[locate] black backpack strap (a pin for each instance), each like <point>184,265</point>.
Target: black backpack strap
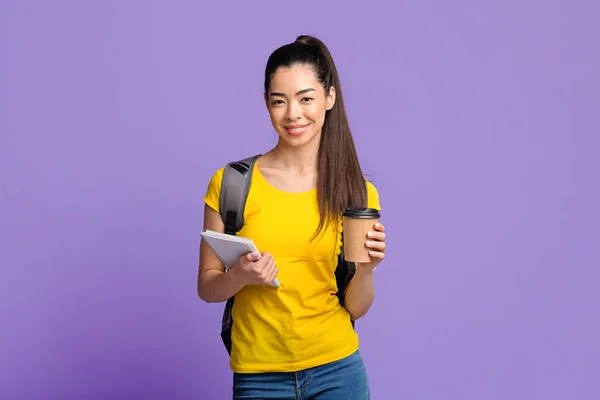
<point>235,186</point>
<point>237,177</point>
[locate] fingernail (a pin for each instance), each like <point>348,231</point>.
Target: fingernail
<point>370,234</point>
<point>368,243</point>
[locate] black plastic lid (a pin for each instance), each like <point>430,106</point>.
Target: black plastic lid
<point>366,213</point>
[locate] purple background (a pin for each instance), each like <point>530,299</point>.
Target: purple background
<point>477,120</point>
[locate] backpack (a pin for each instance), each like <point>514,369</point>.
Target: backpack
<point>237,177</point>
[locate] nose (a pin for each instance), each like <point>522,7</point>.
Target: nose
<point>293,112</point>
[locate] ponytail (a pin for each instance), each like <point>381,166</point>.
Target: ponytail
<point>340,181</point>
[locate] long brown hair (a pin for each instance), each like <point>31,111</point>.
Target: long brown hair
<point>340,181</point>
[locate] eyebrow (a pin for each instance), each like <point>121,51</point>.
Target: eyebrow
<point>297,94</point>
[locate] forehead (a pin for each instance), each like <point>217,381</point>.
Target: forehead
<point>293,79</point>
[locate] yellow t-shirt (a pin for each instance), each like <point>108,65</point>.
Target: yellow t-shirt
<point>301,324</point>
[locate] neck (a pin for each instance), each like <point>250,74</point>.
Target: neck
<point>298,159</point>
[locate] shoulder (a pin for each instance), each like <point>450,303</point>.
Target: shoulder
<point>213,192</point>
<point>217,178</point>
<point>372,195</point>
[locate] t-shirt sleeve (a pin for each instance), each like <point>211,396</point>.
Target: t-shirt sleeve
<point>211,198</point>
<point>373,196</point>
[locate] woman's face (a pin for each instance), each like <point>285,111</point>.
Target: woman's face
<point>297,104</point>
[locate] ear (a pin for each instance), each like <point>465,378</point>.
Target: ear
<point>330,98</point>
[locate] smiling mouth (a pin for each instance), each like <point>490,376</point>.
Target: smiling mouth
<point>295,129</point>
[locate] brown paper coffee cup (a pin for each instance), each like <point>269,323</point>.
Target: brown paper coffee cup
<point>357,222</point>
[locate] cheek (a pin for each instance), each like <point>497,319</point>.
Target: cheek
<point>317,114</point>
<point>275,114</point>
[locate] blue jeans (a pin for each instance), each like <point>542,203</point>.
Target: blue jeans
<point>345,379</point>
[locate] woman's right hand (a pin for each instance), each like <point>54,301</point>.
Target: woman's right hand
<point>255,269</point>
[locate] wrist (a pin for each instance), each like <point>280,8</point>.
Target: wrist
<point>235,278</point>
<point>365,269</point>
<point>364,274</point>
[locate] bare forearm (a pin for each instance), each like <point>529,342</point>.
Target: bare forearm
<point>216,286</point>
<point>360,293</point>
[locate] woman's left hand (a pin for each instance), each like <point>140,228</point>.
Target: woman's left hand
<point>376,244</point>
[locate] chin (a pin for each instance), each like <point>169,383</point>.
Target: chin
<point>297,140</point>
<point>294,141</point>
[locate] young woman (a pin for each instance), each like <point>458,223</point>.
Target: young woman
<point>296,341</point>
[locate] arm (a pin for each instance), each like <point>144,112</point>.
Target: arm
<point>214,285</point>
<point>360,292</point>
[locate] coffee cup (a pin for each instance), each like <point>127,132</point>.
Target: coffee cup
<point>357,222</point>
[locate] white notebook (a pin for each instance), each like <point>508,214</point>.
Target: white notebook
<point>229,248</point>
